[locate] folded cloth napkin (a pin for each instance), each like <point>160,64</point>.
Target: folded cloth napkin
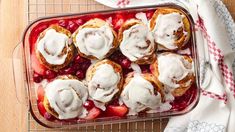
<point>215,36</point>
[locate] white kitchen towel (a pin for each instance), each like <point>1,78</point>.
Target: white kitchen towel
<point>215,36</point>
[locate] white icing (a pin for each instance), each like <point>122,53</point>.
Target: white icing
<point>172,69</point>
<point>103,85</point>
<point>164,29</point>
<point>95,41</point>
<point>52,45</point>
<point>136,68</point>
<point>66,97</point>
<point>138,95</point>
<point>134,44</point>
<point>184,51</point>
<point>142,16</point>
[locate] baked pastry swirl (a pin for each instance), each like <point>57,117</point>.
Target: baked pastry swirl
<point>54,47</point>
<point>141,93</point>
<point>95,39</point>
<point>174,72</point>
<point>137,42</point>
<point>105,80</point>
<point>64,98</point>
<point>171,28</point>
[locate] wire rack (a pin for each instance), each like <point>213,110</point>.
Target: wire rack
<point>41,8</point>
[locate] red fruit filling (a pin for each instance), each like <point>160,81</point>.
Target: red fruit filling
<point>78,59</point>
<point>37,78</point>
<point>35,33</point>
<point>72,26</point>
<point>80,74</point>
<point>93,113</point>
<point>180,103</point>
<point>120,111</point>
<point>145,68</point>
<point>49,74</point>
<point>89,104</point>
<point>63,23</point>
<point>149,14</point>
<point>67,70</point>
<point>126,63</point>
<point>79,22</point>
<point>40,93</point>
<point>41,108</point>
<point>36,65</point>
<point>118,21</point>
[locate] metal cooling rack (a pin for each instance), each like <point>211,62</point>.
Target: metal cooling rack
<point>41,8</point>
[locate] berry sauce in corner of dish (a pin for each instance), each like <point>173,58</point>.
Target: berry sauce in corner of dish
<point>79,65</point>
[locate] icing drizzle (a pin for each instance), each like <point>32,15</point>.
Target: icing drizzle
<point>173,68</point>
<point>66,97</point>
<point>139,95</point>
<point>166,27</point>
<point>137,42</point>
<point>103,85</point>
<point>95,41</point>
<point>52,45</point>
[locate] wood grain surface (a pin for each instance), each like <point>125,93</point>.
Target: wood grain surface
<point>13,20</point>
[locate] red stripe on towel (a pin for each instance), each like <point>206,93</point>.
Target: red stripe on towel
<point>215,96</point>
<point>217,56</point>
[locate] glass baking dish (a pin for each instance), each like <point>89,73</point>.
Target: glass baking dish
<point>25,85</point>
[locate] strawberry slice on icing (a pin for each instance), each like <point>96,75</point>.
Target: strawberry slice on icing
<point>93,113</point>
<point>116,110</point>
<point>40,93</point>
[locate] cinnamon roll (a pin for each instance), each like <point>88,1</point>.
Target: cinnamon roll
<point>105,80</point>
<point>137,42</point>
<point>171,28</point>
<point>141,93</point>
<point>54,47</point>
<point>174,72</point>
<point>95,39</point>
<point>64,98</point>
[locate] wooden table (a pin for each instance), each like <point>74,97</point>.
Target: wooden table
<point>13,20</point>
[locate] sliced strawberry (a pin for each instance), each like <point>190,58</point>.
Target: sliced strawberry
<point>36,65</point>
<point>41,108</point>
<point>116,110</point>
<point>93,113</point>
<point>40,93</point>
